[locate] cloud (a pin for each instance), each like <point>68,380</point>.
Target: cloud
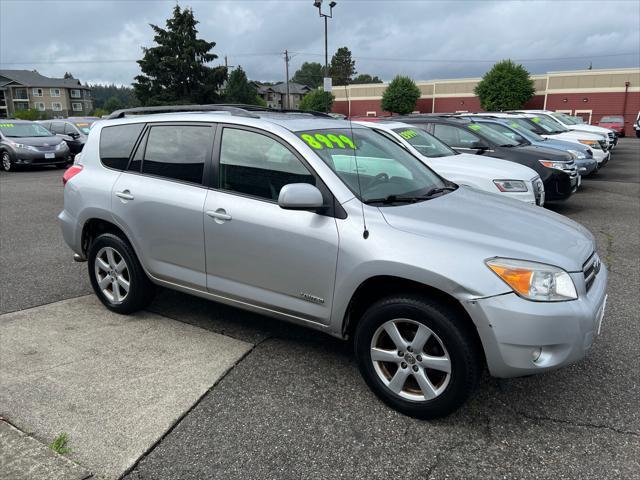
<point>99,41</point>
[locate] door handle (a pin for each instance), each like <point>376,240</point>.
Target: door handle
<point>125,195</point>
<point>220,215</point>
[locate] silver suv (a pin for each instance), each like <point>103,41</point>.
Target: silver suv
<point>333,226</point>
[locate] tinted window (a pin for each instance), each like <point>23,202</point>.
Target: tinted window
<point>57,127</point>
<point>447,134</point>
<point>68,128</point>
<point>178,152</point>
<point>116,144</point>
<point>257,165</point>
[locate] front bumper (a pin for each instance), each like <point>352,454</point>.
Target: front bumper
<point>586,166</point>
<point>30,157</point>
<point>559,185</point>
<point>513,329</point>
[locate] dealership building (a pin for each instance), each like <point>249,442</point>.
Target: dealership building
<point>590,94</point>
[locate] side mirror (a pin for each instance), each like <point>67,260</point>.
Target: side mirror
<point>300,196</point>
<point>480,146</point>
<point>74,135</point>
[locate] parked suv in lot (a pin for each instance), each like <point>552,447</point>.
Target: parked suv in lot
<point>24,143</point>
<point>330,225</point>
<point>72,130</point>
<point>556,169</point>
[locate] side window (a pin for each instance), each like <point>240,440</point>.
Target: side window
<point>178,152</point>
<point>467,139</point>
<point>69,129</point>
<point>447,134</point>
<point>254,164</point>
<point>116,144</point>
<point>57,127</point>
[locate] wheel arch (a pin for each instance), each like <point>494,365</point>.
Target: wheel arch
<point>95,226</point>
<point>374,288</point>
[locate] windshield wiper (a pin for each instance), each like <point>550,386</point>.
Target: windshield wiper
<point>389,199</point>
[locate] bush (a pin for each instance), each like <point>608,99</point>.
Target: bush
<point>318,100</point>
<point>31,114</point>
<point>507,86</point>
<point>400,96</point>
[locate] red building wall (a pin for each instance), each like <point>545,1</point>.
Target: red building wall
<point>600,104</point>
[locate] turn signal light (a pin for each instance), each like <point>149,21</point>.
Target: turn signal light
<point>517,278</point>
<point>71,172</point>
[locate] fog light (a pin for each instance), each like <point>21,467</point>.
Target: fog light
<point>535,353</point>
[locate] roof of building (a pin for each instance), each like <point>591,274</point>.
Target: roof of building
<point>31,78</point>
<point>281,88</point>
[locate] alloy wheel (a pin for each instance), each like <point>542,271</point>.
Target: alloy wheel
<point>112,275</point>
<point>410,359</point>
<point>6,161</point>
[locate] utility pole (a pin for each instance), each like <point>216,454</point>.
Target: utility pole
<point>327,78</point>
<point>286,68</point>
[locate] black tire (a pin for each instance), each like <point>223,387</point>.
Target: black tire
<point>6,162</point>
<point>638,133</point>
<point>452,331</point>
<point>141,289</point>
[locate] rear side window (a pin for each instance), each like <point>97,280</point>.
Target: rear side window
<point>116,144</point>
<point>178,152</point>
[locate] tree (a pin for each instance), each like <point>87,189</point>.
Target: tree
<point>102,93</point>
<point>239,89</point>
<point>175,70</point>
<point>30,114</point>
<point>342,67</point>
<point>99,112</point>
<point>400,96</point>
<point>68,75</point>
<point>507,86</point>
<point>309,74</point>
<point>113,104</point>
<point>318,100</point>
<point>366,78</point>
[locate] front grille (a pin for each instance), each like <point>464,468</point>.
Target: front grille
<point>48,148</point>
<point>538,190</point>
<point>603,144</point>
<point>591,269</point>
<point>612,135</point>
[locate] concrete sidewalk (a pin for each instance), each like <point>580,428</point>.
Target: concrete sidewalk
<point>115,384</point>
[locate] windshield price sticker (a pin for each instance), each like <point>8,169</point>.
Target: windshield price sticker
<point>475,127</point>
<point>407,134</point>
<point>330,140</point>
<point>535,120</point>
<point>515,125</point>
<point>7,125</point>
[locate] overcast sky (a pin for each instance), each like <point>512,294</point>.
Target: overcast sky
<point>99,40</point>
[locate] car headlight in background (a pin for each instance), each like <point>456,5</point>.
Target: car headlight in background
<point>551,164</point>
<point>61,145</point>
<point>591,143</point>
<point>22,145</point>
<point>510,185</point>
<point>534,281</point>
<point>577,154</point>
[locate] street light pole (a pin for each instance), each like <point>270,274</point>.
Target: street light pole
<point>327,78</point>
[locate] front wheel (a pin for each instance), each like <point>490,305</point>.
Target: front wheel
<point>417,355</point>
<point>6,162</point>
<point>116,275</point>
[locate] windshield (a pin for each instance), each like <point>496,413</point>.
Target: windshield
<point>527,129</point>
<point>507,132</point>
<point>611,120</point>
<point>17,130</point>
<point>493,135</point>
<point>423,142</point>
<point>549,124</point>
<point>373,167</point>
<point>564,118</point>
<point>83,127</point>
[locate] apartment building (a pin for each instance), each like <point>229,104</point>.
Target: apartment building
<point>589,94</point>
<point>55,97</point>
<point>276,95</point>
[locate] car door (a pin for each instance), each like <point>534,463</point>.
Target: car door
<point>159,200</point>
<point>256,252</point>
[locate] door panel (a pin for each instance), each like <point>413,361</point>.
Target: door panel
<point>163,219</point>
<point>267,256</point>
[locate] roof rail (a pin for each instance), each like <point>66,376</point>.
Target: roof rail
<point>259,108</point>
<point>233,110</point>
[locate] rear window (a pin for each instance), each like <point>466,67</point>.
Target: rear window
<point>116,144</point>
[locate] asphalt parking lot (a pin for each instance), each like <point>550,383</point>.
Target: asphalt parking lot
<point>296,407</point>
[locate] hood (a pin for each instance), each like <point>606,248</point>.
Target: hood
<point>479,165</point>
<point>496,227</point>
<point>545,153</point>
<point>37,141</point>
<point>611,125</point>
<point>589,128</point>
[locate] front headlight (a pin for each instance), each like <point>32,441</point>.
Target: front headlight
<point>556,165</point>
<point>61,145</point>
<point>577,154</point>
<point>591,143</point>
<point>510,185</point>
<point>534,281</point>
<point>26,147</point>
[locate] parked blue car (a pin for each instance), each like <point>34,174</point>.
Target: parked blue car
<point>582,154</point>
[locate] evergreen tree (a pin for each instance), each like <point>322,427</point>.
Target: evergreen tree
<point>309,74</point>
<point>175,70</point>
<point>239,89</point>
<point>68,75</point>
<point>366,78</point>
<point>113,104</point>
<point>400,96</point>
<point>507,86</point>
<point>342,67</point>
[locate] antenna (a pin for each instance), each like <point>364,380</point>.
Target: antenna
<point>365,232</point>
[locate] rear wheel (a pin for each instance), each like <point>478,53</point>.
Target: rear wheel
<point>417,355</point>
<point>116,275</point>
<point>6,162</point>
